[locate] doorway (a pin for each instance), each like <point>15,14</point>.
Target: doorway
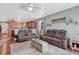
<point>5,30</point>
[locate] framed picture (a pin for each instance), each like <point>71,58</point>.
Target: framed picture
<point>31,24</point>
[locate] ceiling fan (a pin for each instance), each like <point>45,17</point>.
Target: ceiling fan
<point>29,6</point>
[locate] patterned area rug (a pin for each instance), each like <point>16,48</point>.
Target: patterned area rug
<point>25,48</point>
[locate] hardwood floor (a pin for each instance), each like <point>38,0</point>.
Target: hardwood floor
<point>5,48</point>
<point>73,51</point>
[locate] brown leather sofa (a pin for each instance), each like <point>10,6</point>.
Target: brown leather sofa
<point>24,35</point>
<point>56,38</point>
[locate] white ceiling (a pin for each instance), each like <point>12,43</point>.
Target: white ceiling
<point>13,10</point>
<point>51,8</point>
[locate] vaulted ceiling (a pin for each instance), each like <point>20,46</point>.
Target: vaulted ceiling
<point>13,10</point>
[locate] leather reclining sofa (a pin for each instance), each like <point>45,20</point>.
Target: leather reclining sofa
<point>56,38</point>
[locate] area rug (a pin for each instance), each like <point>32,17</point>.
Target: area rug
<point>25,48</point>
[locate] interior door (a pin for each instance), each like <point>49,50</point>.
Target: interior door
<point>5,29</point>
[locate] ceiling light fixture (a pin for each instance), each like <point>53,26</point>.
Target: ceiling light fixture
<point>30,8</point>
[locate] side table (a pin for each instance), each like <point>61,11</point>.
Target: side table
<point>74,45</point>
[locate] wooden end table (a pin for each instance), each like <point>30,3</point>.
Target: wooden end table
<point>74,45</point>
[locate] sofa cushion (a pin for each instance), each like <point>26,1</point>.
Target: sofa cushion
<point>51,33</point>
<point>54,33</point>
<point>51,38</point>
<point>61,34</point>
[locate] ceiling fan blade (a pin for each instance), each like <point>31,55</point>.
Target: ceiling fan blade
<point>26,6</point>
<point>37,7</point>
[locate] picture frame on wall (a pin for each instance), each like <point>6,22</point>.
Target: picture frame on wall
<point>31,24</point>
